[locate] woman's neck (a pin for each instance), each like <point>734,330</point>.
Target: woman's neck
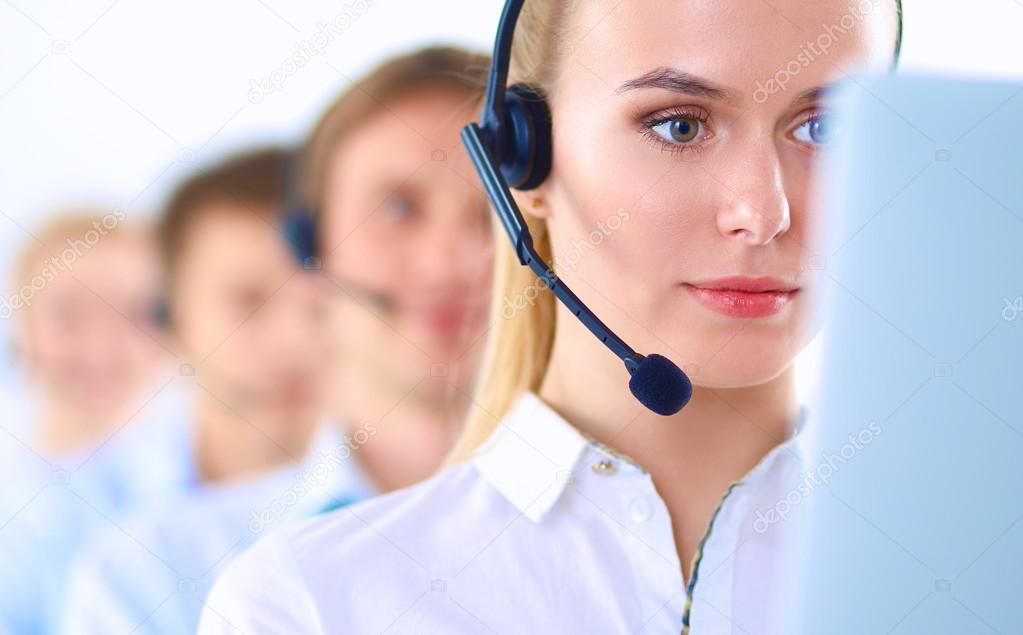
<point>721,431</point>
<point>227,447</point>
<point>413,426</point>
<point>692,456</point>
<point>62,432</point>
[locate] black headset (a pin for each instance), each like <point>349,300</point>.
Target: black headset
<point>299,226</point>
<point>299,229</point>
<point>511,147</point>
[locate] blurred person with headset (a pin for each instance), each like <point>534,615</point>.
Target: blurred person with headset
<point>249,328</point>
<point>92,353</point>
<point>392,286</point>
<point>390,211</point>
<point>674,196</point>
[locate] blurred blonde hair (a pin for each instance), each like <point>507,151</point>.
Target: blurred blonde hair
<point>429,69</point>
<point>518,347</point>
<point>62,230</point>
<point>63,225</point>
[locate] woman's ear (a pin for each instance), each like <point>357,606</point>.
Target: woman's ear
<point>533,202</point>
<point>16,347</point>
<point>20,349</point>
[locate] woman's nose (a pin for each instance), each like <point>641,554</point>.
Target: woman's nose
<point>755,209</point>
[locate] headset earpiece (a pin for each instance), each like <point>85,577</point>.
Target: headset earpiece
<point>511,146</point>
<point>160,313</point>
<point>300,231</point>
<point>526,156</point>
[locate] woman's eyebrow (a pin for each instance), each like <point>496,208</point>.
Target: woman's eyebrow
<point>812,95</point>
<point>680,82</point>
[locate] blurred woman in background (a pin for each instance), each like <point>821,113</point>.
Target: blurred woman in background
<point>82,302</point>
<point>95,364</point>
<point>402,228</point>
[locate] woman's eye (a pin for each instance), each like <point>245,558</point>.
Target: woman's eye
<point>400,207</point>
<point>819,130</point>
<point>679,129</point>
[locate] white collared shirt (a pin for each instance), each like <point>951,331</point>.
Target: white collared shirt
<point>542,532</point>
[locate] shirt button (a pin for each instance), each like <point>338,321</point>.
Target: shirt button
<point>605,467</point>
<point>640,510</point>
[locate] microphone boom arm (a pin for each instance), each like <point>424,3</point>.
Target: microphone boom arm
<point>518,232</point>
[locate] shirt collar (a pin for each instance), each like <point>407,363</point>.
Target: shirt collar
<point>785,460</point>
<point>331,468</point>
<point>531,454</point>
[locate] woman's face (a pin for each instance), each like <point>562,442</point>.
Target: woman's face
<point>87,340</point>
<point>404,216</point>
<point>686,134</point>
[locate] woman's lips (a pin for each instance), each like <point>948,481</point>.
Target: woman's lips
<point>742,297</point>
<point>449,320</point>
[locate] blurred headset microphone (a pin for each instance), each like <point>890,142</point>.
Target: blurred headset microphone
<point>300,231</point>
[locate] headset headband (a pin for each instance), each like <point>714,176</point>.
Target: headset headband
<point>493,107</point>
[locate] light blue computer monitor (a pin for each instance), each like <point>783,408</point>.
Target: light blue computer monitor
<point>918,527</point>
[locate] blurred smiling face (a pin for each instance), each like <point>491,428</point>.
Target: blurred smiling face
<point>88,338</point>
<point>248,319</point>
<point>698,125</point>
<point>404,216</point>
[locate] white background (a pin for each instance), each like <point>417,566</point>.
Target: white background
<point>111,102</point>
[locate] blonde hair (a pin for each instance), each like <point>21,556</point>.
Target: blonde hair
<point>69,228</point>
<point>518,347</point>
<point>426,69</point>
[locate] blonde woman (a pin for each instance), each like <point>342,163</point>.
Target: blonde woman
<point>677,206</point>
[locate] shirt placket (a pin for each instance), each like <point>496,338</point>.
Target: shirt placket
<point>711,594</point>
<point>647,539</point>
<point>708,602</point>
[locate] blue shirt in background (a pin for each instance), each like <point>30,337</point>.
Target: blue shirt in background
<point>49,508</point>
<point>153,574</point>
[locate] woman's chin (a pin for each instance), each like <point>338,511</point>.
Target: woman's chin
<point>738,371</point>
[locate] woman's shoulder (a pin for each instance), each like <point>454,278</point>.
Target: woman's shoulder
<point>391,545</point>
<point>261,591</point>
<point>433,502</point>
